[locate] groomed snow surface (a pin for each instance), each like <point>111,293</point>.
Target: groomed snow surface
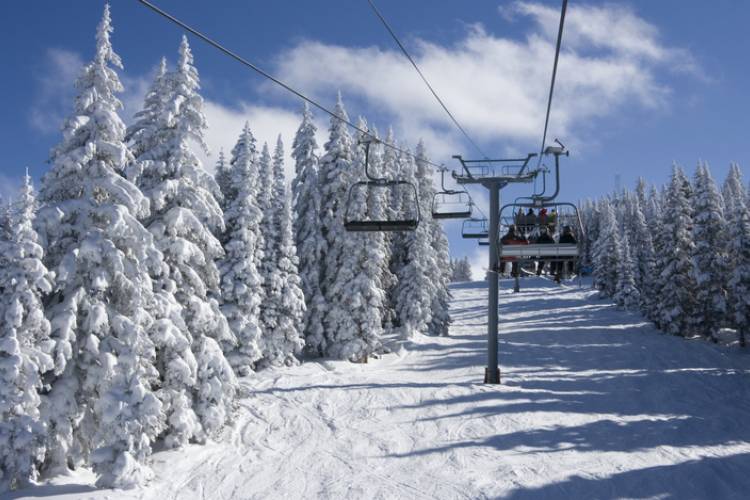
<point>595,403</point>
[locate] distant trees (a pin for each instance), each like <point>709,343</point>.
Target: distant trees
<point>461,269</point>
<point>688,268</point>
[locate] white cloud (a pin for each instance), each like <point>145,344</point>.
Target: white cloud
<point>497,87</point>
<point>55,91</point>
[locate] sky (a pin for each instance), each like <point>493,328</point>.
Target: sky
<point>641,84</point>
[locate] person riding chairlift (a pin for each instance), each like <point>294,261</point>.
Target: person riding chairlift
<point>566,266</point>
<point>512,238</point>
<point>544,238</point>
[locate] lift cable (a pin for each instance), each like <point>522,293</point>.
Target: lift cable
<point>424,78</point>
<point>263,73</point>
<point>552,83</point>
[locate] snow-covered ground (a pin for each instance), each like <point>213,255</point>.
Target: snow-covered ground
<point>594,404</point>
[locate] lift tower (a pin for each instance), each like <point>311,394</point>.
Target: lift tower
<point>494,175</point>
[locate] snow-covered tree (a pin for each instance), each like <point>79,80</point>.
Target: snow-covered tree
<point>739,281</point>
<point>607,251</point>
<point>25,345</point>
<point>307,236</point>
<point>708,256</point>
<point>626,294</point>
<point>461,270</point>
<point>143,134</point>
<point>241,281</point>
<point>185,221</point>
<point>352,320</point>
<point>284,300</point>
<point>103,398</point>
<point>440,272</point>
<point>674,286</point>
<point>733,190</point>
<point>223,176</point>
<point>643,254</point>
<point>415,289</point>
<point>268,230</point>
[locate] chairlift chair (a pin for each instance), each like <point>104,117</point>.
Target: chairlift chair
<point>362,191</point>
<point>450,203</point>
<point>566,214</point>
<point>475,228</point>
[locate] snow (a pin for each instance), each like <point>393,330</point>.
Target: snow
<point>595,403</point>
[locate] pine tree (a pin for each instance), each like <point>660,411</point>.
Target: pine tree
<point>440,272</point>
<point>241,281</point>
<point>734,195</point>
<point>415,290</point>
<point>352,321</point>
<point>709,259</point>
<point>284,300</point>
<point>674,286</point>
<point>461,270</point>
<point>645,261</point>
<point>607,251</point>
<point>739,281</point>
<point>185,221</point>
<point>143,135</point>
<point>223,176</point>
<point>103,398</point>
<point>307,231</point>
<point>270,238</point>
<point>626,294</point>
<point>25,346</point>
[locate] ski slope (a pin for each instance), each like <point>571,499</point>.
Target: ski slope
<point>594,403</point>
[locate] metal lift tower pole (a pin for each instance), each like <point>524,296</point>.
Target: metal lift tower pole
<point>492,372</point>
<point>494,175</point>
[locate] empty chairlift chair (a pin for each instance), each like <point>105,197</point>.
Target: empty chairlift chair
<point>361,214</point>
<point>475,228</point>
<point>450,203</point>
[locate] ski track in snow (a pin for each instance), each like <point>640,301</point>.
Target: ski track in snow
<point>595,403</point>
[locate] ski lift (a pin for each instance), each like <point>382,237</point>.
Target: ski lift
<point>450,203</point>
<point>364,219</point>
<point>475,228</point>
<point>483,242</point>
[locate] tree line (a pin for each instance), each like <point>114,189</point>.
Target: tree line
<point>136,287</point>
<point>679,254</point>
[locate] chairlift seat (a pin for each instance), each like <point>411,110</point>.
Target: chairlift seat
<point>451,215</point>
<point>540,250</point>
<point>381,225</point>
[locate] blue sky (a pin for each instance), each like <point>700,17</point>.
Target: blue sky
<point>641,83</point>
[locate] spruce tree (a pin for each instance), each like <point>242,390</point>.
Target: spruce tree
<point>739,280</point>
<point>103,397</point>
<point>415,290</point>
<point>709,259</point>
<point>352,320</point>
<point>626,294</point>
<point>25,345</point>
<point>440,272</point>
<point>645,261</point>
<point>607,251</point>
<point>284,300</point>
<point>307,231</point>
<point>186,220</point>
<point>674,286</point>
<point>241,281</point>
